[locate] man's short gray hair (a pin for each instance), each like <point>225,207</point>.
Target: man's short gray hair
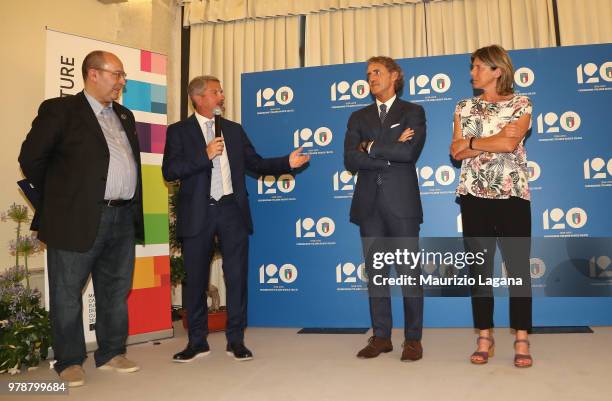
<point>198,84</point>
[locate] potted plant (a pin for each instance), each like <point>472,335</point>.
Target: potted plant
<point>217,314</point>
<point>25,328</point>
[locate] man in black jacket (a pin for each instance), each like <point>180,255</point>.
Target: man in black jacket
<point>82,156</point>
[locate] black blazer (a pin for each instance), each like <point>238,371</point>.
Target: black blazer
<point>65,157</point>
<point>393,160</point>
<point>185,159</point>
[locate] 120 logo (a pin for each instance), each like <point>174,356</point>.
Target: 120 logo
<point>349,273</point>
<point>344,181</point>
<point>271,274</point>
<point>343,90</point>
<point>305,138</point>
<point>444,175</point>
<point>269,184</point>
<point>308,228</point>
<point>422,85</point>
<point>590,73</point>
<point>269,97</point>
<point>550,122</point>
<point>594,168</point>
<point>556,219</point>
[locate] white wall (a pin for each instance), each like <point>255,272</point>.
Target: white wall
<point>148,24</point>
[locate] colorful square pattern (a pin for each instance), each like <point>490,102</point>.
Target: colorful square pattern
<point>152,62</point>
<point>149,302</point>
<point>155,205</point>
<point>152,137</point>
<point>144,96</point>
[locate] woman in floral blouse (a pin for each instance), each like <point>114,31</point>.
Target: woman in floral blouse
<point>488,136</point>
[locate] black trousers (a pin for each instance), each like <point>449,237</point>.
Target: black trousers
<point>507,223</point>
<point>227,223</point>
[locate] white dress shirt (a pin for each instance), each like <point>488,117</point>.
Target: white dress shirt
<point>226,172</point>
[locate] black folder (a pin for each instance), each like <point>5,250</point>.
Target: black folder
<point>30,192</point>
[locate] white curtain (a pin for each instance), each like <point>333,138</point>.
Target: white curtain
<point>585,21</point>
<point>354,35</point>
<point>345,31</point>
<point>462,26</point>
<point>452,26</point>
<point>229,49</point>
<point>199,11</point>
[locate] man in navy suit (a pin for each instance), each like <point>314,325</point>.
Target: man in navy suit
<point>213,200</point>
<point>382,144</point>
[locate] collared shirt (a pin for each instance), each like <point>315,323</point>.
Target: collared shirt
<point>388,103</point>
<point>226,173</point>
<point>121,177</point>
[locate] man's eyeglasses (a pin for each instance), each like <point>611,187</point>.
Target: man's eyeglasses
<point>118,74</point>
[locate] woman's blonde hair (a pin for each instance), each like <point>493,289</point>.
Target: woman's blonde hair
<point>495,57</point>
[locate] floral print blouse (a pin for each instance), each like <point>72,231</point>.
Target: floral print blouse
<point>493,175</point>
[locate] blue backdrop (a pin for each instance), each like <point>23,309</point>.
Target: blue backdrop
<point>306,267</point>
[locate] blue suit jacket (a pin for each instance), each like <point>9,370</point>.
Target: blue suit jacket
<point>393,160</point>
<point>185,159</point>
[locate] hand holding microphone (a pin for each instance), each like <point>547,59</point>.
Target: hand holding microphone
<point>216,146</point>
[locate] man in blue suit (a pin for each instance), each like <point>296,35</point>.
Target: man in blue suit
<point>213,200</point>
<point>382,145</point>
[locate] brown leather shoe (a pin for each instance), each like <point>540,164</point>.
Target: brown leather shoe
<point>413,351</point>
<point>375,346</point>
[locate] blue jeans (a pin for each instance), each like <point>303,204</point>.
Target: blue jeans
<point>110,261</point>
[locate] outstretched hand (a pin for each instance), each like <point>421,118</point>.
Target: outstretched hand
<point>297,159</point>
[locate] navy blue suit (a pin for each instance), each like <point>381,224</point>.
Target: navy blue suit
<point>199,219</point>
<point>387,204</point>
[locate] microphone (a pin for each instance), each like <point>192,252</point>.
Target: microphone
<point>217,113</point>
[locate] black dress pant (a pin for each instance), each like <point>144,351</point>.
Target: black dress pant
<point>507,223</point>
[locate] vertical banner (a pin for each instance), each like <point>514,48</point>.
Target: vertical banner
<point>306,262</point>
<point>145,95</point>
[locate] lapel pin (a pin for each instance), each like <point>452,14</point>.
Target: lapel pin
<point>123,116</point>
